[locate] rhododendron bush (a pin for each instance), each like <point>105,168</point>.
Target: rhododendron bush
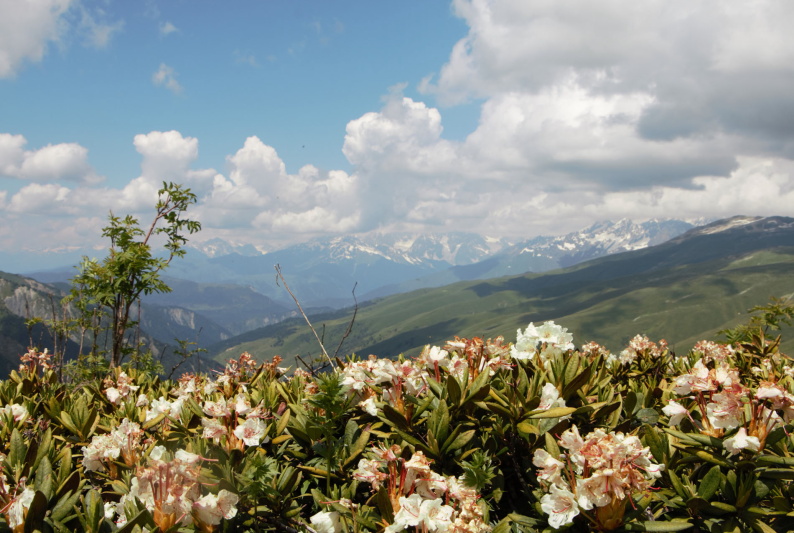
<point>473,436</point>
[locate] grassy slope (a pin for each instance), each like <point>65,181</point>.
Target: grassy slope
<point>608,301</point>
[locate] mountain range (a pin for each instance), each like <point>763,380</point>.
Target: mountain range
<point>685,289</point>
<point>221,290</point>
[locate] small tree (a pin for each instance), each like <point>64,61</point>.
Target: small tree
<point>131,270</point>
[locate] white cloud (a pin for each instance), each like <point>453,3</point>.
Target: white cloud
<point>167,28</point>
<point>96,29</point>
<point>26,29</point>
<point>54,162</point>
<point>166,77</point>
<point>709,66</point>
<point>259,195</point>
<point>38,198</point>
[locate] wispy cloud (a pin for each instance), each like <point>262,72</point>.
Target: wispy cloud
<point>166,28</point>
<point>166,77</point>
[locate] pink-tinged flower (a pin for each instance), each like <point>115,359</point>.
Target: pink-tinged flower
<point>551,469</point>
<point>676,412</point>
<point>725,411</point>
<point>369,406</point>
<point>571,439</point>
<point>210,509</point>
<point>741,441</point>
<point>241,405</point>
<point>18,508</point>
<point>217,409</point>
<point>696,381</point>
<point>251,431</point>
<point>213,429</point>
<point>599,489</point>
<point>369,471</point>
<point>16,411</point>
<point>767,390</point>
<point>713,351</point>
<point>560,504</point>
<point>428,515</point>
<point>326,522</point>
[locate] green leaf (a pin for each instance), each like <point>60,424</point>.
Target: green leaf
<point>453,390</point>
<point>43,481</point>
<point>34,520</point>
<point>657,442</point>
<point>459,441</point>
<point>394,418</point>
<point>710,483</point>
<point>554,412</point>
<point>660,526</point>
<point>282,422</point>
<point>647,416</point>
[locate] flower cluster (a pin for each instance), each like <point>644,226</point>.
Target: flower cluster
<point>639,347</point>
<point>120,389</point>
<point>170,489</point>
<point>599,472</point>
<point>34,360</point>
<point>123,443</point>
<point>420,497</point>
<point>393,378</point>
<point>545,341</point>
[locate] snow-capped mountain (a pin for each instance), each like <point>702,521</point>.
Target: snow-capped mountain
<point>602,238</point>
<point>323,272</point>
<point>544,253</point>
<point>218,247</point>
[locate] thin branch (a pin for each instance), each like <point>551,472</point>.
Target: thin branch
<point>281,277</point>
<point>349,329</point>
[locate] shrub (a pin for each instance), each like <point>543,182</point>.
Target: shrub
<point>477,435</point>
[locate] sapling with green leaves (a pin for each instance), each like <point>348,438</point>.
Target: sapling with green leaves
<point>132,269</point>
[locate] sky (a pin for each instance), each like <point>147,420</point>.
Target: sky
<point>296,119</point>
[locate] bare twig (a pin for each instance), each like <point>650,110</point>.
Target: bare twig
<point>350,325</point>
<point>281,277</point>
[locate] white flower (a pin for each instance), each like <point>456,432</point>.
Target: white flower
<point>416,511</point>
<point>213,429</point>
<point>326,522</point>
<point>210,509</point>
<point>740,442</point>
<point>369,406</point>
<point>158,452</point>
<point>251,431</point>
<point>551,468</point>
<point>113,395</point>
<point>186,457</point>
<point>676,412</point>
<point>560,504</point>
<point>550,397</point>
<point>437,355</point>
<point>18,508</point>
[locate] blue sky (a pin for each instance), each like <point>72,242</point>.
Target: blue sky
<point>297,119</point>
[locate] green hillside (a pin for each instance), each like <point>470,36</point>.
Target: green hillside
<point>684,290</point>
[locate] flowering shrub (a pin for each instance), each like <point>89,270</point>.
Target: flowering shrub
<point>477,435</point>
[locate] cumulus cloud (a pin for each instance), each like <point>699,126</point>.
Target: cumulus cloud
<point>54,162</point>
<point>708,66</point>
<point>26,29</point>
<point>166,77</point>
<point>260,194</point>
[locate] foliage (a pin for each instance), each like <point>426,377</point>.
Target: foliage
<point>109,289</point>
<point>478,435</point>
